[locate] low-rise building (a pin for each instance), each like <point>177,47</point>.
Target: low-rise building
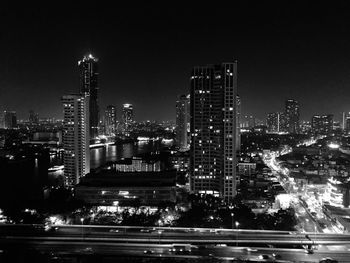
<point>109,187</point>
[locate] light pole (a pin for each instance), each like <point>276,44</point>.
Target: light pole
<point>82,228</point>
<point>232,220</point>
<point>237,224</point>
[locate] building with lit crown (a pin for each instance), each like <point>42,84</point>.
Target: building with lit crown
<point>213,130</point>
<point>76,156</point>
<point>88,73</point>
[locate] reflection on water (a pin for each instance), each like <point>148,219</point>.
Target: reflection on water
<point>100,156</point>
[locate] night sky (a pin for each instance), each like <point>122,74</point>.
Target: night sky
<point>146,53</point>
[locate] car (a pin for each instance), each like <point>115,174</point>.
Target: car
<point>114,230</point>
<point>328,260</point>
<point>248,249</point>
<point>148,251</point>
<point>276,256</point>
<point>309,251</point>
<point>145,230</point>
<point>264,256</point>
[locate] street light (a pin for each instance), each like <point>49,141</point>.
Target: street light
<point>236,224</point>
<point>82,228</point>
<point>232,220</point>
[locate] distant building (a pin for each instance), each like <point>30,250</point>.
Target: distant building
<point>213,130</point>
<point>246,169</point>
<point>136,164</point>
<point>322,124</point>
<point>248,121</point>
<point>76,157</point>
<point>292,115</point>
<point>110,120</point>
<point>273,122</point>
<point>88,72</point>
<point>127,118</point>
<point>108,188</point>
<point>182,120</point>
<point>181,161</point>
<point>33,118</point>
<point>9,120</point>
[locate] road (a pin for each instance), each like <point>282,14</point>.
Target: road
<point>134,241</point>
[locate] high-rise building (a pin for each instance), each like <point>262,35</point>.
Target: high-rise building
<point>238,124</point>
<point>273,122</point>
<point>76,157</point>
<point>343,118</point>
<point>292,115</point>
<point>347,125</point>
<point>88,72</point>
<point>110,120</point>
<point>213,130</point>
<point>9,120</point>
<point>182,115</point>
<point>33,117</point>
<point>127,118</point>
<point>322,124</point>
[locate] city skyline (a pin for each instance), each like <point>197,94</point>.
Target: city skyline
<point>279,58</point>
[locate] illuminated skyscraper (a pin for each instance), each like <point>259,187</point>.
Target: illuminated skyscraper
<point>76,156</point>
<point>273,122</point>
<point>213,130</point>
<point>88,72</point>
<point>322,124</point>
<point>110,120</point>
<point>238,124</point>
<point>127,118</point>
<point>292,115</point>
<point>182,119</point>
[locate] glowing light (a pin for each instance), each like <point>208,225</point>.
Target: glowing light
<point>333,145</point>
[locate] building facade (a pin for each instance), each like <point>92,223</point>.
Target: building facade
<point>110,120</point>
<point>213,130</point>
<point>292,115</point>
<point>88,73</point>
<point>76,156</point>
<point>9,120</point>
<point>322,124</point>
<point>273,122</point>
<point>127,118</point>
<point>182,119</point>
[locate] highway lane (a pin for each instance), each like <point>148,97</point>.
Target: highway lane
<point>156,250</point>
<point>165,234</point>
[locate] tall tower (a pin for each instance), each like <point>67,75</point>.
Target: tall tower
<point>238,124</point>
<point>292,115</point>
<point>213,130</point>
<point>127,118</point>
<point>182,115</point>
<point>110,120</point>
<point>88,73</point>
<point>76,156</point>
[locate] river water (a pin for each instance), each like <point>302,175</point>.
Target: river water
<point>99,156</point>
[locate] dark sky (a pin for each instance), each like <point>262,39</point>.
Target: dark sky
<point>146,53</point>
